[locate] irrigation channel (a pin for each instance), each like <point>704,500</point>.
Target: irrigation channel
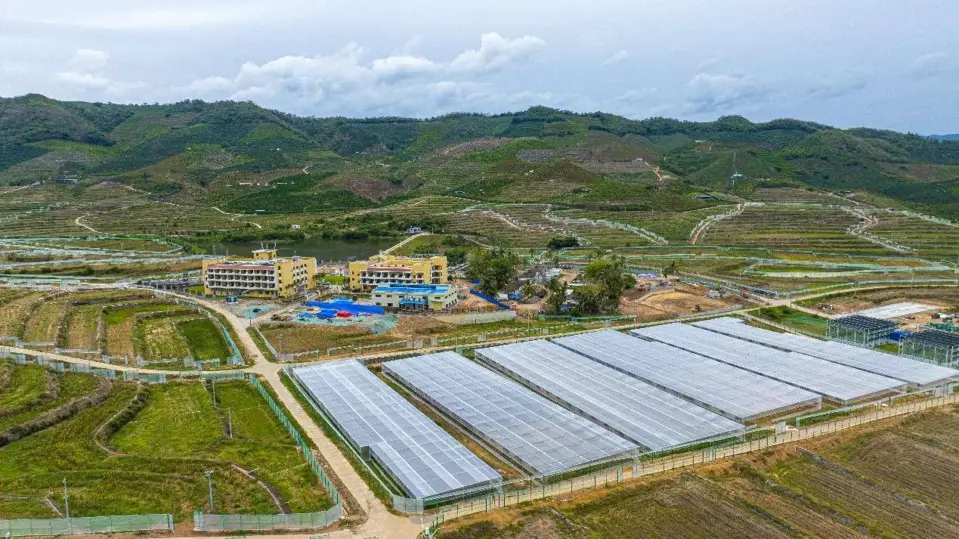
<point>385,523</point>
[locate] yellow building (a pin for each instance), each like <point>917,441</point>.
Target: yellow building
<point>264,276</point>
<point>388,269</point>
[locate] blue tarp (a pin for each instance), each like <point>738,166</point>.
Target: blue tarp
<point>345,305</point>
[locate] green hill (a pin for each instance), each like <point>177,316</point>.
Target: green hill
<point>244,158</point>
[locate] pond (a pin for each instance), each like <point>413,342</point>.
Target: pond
<point>325,250</point>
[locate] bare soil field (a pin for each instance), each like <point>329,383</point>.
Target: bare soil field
<point>946,298</point>
<point>82,324</point>
<point>661,304</point>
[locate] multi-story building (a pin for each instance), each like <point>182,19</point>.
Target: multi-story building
<point>433,297</point>
<point>388,269</point>
<point>264,276</point>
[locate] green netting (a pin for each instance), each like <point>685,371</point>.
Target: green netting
<point>85,525</point>
<point>292,521</point>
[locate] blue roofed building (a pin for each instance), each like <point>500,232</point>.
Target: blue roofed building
<point>413,297</point>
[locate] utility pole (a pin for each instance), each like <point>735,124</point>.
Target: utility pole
<point>213,379</point>
<point>209,480</point>
<point>229,412</point>
<point>66,498</point>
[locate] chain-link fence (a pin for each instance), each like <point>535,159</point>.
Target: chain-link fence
<point>85,525</point>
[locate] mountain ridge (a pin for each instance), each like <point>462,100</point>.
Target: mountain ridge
<point>209,150</point>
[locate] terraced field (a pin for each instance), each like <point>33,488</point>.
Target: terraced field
<point>15,311</point>
<point>795,195</point>
<point>46,320</point>
<point>929,239</point>
<point>675,227</point>
<point>133,465</point>
<point>792,227</point>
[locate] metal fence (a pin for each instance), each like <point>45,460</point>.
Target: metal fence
<point>292,521</point>
<point>85,525</point>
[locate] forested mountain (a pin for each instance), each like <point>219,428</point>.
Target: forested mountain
<point>245,157</point>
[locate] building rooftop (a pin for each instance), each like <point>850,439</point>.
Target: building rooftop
<point>413,289</point>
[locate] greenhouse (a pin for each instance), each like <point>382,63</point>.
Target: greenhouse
<point>536,434</point>
<point>733,392</point>
<point>838,383</point>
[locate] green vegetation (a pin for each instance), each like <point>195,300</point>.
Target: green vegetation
<point>791,317</point>
<point>494,269</point>
<point>205,339</point>
<point>146,450</point>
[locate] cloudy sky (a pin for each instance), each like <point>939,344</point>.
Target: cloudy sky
<point>881,63</point>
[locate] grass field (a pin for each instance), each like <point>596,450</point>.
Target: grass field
<point>894,480</point>
<point>204,339</point>
<point>158,458</point>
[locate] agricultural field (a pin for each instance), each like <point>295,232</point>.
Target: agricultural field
<point>15,310</point>
<point>792,227</point>
<point>928,239</point>
<point>887,480</point>
<point>129,463</point>
<point>288,338</point>
<point>673,226</point>
<point>45,321</point>
<point>794,195</point>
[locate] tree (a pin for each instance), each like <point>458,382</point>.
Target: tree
<point>671,269</point>
<point>528,290</point>
<point>562,242</point>
<point>494,268</point>
<point>557,295</point>
<point>606,280</point>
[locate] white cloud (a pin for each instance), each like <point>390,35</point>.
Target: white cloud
<point>616,58</point>
<point>89,60</point>
<point>86,74</point>
<point>709,93</point>
<point>636,95</point>
<point>348,79</point>
<point>496,52</point>
<point>400,67</point>
<point>934,64</point>
<point>834,89</point>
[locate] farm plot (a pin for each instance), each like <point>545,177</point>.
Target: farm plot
<point>793,195</point>
<point>929,239</point>
<point>791,227</point>
<point>120,326</point>
<point>35,391</point>
<point>138,467</point>
<point>204,339</point>
<point>881,510</point>
<point>674,226</point>
<point>540,217</point>
<point>83,324</point>
<point>163,218</point>
<point>158,338</point>
<point>901,464</point>
<point>496,228</point>
<point>13,313</point>
<point>895,480</point>
<point>44,323</point>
